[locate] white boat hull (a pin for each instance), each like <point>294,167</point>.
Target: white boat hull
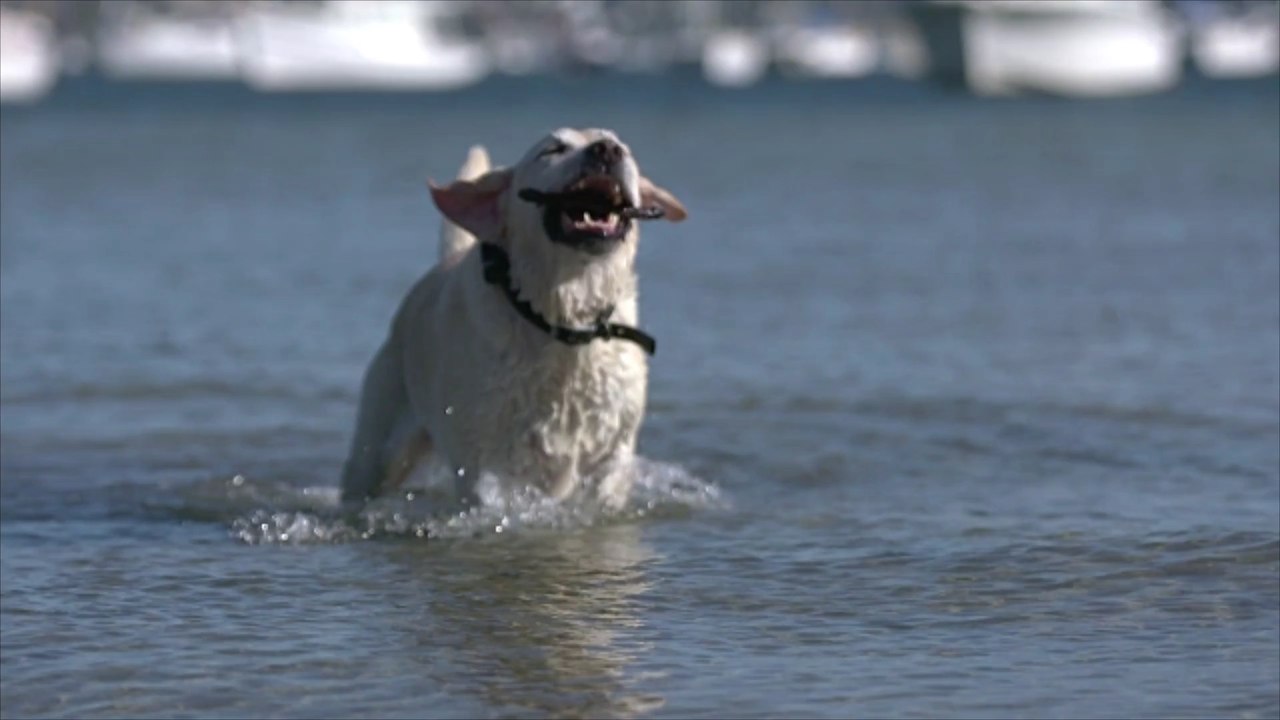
<point>1078,49</point>
<point>288,51</point>
<point>29,65</point>
<point>143,48</point>
<point>1237,47</point>
<point>734,59</point>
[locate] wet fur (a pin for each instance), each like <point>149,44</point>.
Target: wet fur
<point>464,383</point>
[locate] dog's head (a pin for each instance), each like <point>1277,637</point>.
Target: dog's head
<point>580,189</point>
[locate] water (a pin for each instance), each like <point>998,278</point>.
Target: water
<point>961,408</point>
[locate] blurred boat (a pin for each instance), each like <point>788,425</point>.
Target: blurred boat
<point>835,51</point>
<point>736,48</point>
<point>826,39</point>
<point>735,58</point>
<point>355,45</point>
<point>190,42</point>
<point>1073,48</point>
<point>29,64</point>
<point>1234,41</point>
<point>529,38</point>
<point>645,36</point>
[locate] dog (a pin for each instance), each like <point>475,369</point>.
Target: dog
<point>517,355</point>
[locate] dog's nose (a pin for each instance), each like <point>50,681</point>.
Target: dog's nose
<point>605,151</point>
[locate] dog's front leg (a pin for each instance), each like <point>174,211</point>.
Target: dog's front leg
<point>613,483</point>
<point>562,480</point>
<point>382,400</point>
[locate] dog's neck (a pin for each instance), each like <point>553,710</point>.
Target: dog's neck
<point>570,288</point>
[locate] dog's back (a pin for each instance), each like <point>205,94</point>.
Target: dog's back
<point>453,239</point>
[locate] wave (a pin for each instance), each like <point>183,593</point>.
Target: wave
<point>262,512</point>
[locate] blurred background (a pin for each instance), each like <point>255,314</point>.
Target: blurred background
<point>966,400</point>
<point>1071,47</point>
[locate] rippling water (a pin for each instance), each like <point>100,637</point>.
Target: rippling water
<point>962,408</point>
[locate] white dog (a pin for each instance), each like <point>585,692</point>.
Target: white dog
<point>517,354</point>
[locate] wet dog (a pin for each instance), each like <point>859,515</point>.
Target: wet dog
<point>517,355</point>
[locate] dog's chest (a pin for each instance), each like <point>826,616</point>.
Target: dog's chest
<point>573,410</point>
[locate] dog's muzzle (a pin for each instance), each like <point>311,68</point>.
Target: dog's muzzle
<point>591,214</point>
<point>594,212</point>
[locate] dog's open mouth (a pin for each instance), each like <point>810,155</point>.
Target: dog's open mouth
<point>593,207</point>
<point>592,214</point>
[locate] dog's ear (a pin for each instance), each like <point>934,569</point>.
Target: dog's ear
<point>474,205</point>
<point>651,195</point>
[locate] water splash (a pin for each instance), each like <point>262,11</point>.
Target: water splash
<point>270,514</point>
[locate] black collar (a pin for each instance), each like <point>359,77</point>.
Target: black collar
<point>497,271</point>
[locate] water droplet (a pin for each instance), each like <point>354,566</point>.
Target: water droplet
<point>448,409</point>
<point>497,528</point>
<point>408,496</point>
<point>461,472</point>
<point>238,480</point>
<point>284,537</point>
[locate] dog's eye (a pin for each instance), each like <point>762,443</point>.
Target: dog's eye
<point>555,148</point>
